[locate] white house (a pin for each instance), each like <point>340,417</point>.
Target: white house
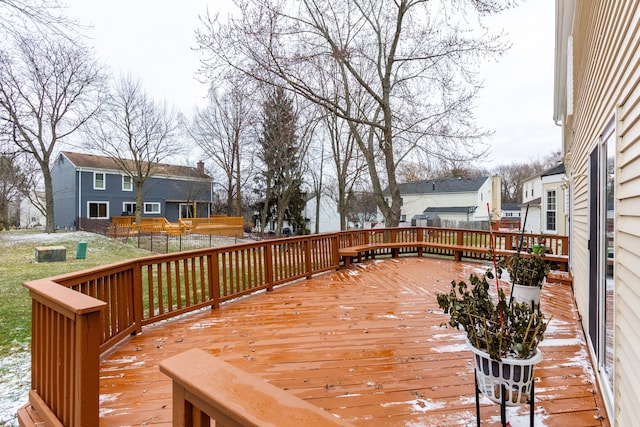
<point>329,218</point>
<point>30,215</point>
<point>449,201</point>
<point>544,194</point>
<point>510,211</point>
<point>597,88</point>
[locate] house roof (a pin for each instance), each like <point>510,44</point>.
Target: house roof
<point>510,207</point>
<point>450,209</point>
<point>535,202</point>
<point>556,170</point>
<point>94,161</point>
<point>447,185</point>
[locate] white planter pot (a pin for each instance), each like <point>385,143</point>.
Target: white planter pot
<point>515,374</point>
<point>527,295</point>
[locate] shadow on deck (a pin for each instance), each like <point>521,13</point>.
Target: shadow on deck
<point>364,344</point>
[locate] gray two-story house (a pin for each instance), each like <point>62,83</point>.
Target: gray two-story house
<point>93,186</point>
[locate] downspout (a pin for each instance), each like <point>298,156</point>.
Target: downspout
<point>79,198</point>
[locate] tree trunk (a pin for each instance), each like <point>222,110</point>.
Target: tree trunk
<point>138,203</point>
<point>238,183</point>
<point>50,223</point>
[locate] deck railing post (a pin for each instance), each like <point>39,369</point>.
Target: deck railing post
<point>419,238</point>
<point>214,278</point>
<point>307,255</point>
<point>459,242</point>
<point>87,354</point>
<point>268,266</point>
<point>138,306</point>
<point>65,364</point>
<point>335,254</point>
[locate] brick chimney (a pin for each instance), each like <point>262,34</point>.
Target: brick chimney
<point>200,166</point>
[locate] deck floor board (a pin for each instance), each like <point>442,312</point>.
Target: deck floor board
<point>365,344</point>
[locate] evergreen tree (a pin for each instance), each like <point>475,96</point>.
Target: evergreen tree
<point>279,149</point>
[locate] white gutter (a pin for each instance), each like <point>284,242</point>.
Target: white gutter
<point>565,11</point>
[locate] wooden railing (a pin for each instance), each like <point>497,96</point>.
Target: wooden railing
<point>120,299</point>
<point>202,393</point>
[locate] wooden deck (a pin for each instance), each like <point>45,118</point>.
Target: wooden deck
<point>364,344</point>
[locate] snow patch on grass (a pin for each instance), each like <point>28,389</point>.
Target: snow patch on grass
<point>15,380</point>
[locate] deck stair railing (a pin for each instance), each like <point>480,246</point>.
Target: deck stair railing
<point>78,316</point>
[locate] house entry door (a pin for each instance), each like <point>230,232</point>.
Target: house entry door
<point>186,210</point>
<point>601,254</point>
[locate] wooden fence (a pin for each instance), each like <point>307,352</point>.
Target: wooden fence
<point>120,299</point>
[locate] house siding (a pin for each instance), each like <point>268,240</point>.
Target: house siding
<point>416,203</point>
<point>63,180</point>
<point>70,181</point>
<point>606,76</point>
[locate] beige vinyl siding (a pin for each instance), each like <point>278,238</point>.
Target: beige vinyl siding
<point>606,43</point>
<point>628,237</point>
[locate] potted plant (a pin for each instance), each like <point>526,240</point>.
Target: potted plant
<point>527,274</point>
<point>540,246</point>
<point>503,336</point>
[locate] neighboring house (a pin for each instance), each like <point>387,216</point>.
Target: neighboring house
<point>597,88</point>
<point>510,211</point>
<point>450,201</point>
<point>93,186</point>
<point>30,215</point>
<point>328,214</point>
<point>545,195</point>
<point>510,217</point>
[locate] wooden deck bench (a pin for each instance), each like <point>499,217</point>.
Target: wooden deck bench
<point>368,250</point>
<point>207,388</point>
<point>558,262</point>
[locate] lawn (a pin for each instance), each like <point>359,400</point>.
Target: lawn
<point>18,266</point>
<point>17,249</point>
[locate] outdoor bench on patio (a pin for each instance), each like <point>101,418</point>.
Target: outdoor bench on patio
<point>558,262</point>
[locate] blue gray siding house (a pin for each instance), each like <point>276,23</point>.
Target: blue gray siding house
<point>92,186</point>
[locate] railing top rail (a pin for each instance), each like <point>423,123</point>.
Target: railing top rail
<point>64,300</point>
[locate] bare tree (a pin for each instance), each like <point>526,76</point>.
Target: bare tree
<point>513,175</point>
<point>347,161</point>
<point>137,132</point>
<point>13,186</point>
<point>223,130</point>
<point>22,16</point>
<point>49,88</point>
<point>405,70</point>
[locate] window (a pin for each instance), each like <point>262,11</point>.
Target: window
<point>129,208</point>
<point>127,183</point>
<point>551,210</point>
<point>98,210</point>
<point>403,218</point>
<point>186,210</point>
<point>99,181</point>
<point>152,208</point>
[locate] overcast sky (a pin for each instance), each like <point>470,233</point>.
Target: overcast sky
<point>154,40</point>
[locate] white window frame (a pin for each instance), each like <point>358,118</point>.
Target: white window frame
<point>148,208</point>
<point>549,210</point>
<point>95,181</point>
<point>127,179</point>
<point>97,202</point>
